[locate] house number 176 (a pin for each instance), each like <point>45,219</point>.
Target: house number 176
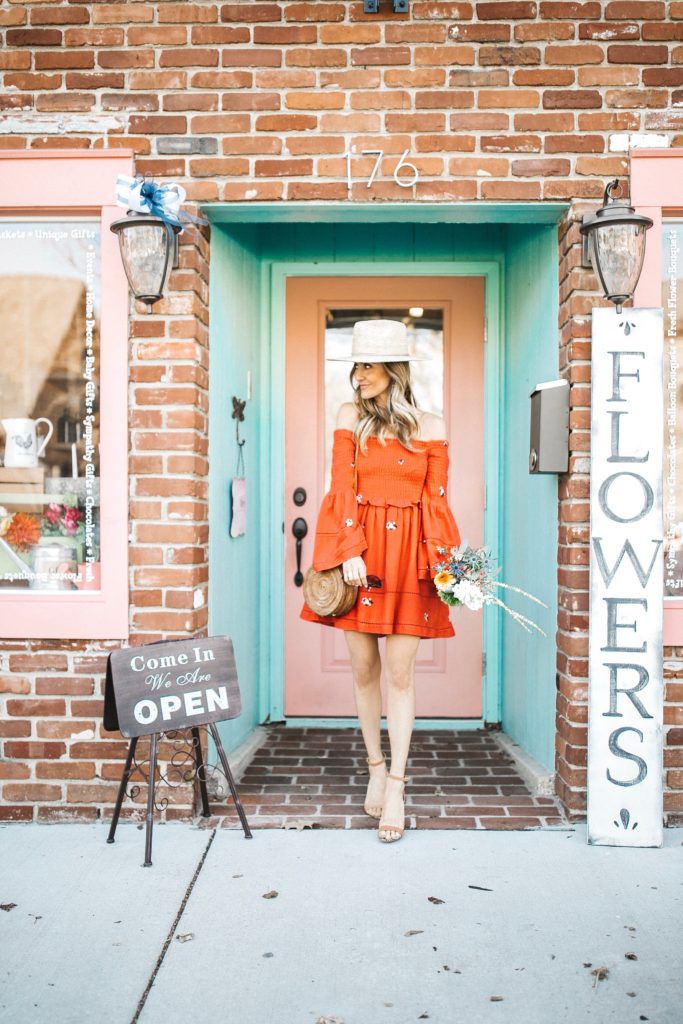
<point>405,173</point>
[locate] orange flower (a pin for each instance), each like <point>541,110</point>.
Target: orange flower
<point>23,531</point>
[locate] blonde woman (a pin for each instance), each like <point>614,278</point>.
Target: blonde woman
<point>391,528</point>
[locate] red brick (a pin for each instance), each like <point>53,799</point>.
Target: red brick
<point>126,58</point>
<point>479,122</point>
<point>443,99</point>
<point>638,9</point>
<point>158,125</point>
<point>221,80</point>
<point>507,10</point>
<point>65,770</point>
<point>33,37</point>
<point>11,813</point>
<point>129,101</point>
<point>158,36</point>
<point>540,168</point>
<point>66,101</point>
<point>190,101</point>
<point>480,33</point>
<point>52,59</point>
<point>402,33</point>
<point>597,30</point>
<point>574,54</point>
<point>189,56</point>
<point>439,9</point>
<point>470,167</point>
<point>443,56</point>
<point>369,33</point>
<point>94,80</point>
<point>94,37</point>
<point>544,31</point>
<point>34,662</point>
<point>286,122</point>
<point>636,98</point>
<point>251,57</point>
<point>30,749</point>
<point>292,79</point>
<point>309,101</point>
<point>507,98</point>
<point>284,35</point>
<point>173,13</point>
<point>59,16</point>
<point>30,792</point>
<point>509,55</point>
<point>121,14</point>
<point>623,53</point>
<point>510,190</point>
<point>543,76</point>
<point>13,16</point>
<point>572,11</point>
<point>513,143</point>
<point>574,144</point>
<point>609,76</point>
<point>314,11</point>
<point>28,81</point>
<point>407,79</point>
<point>14,684</point>
<point>571,99</point>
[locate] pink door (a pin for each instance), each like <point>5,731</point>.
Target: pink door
<point>445,316</point>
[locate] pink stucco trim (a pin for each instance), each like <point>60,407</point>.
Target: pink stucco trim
<point>657,190</point>
<point>77,183</point>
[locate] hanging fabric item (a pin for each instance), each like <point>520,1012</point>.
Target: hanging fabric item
<point>238,487</point>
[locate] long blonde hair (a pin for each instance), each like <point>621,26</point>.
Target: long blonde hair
<point>397,418</point>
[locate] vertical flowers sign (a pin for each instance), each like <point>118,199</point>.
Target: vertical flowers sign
<point>625,698</point>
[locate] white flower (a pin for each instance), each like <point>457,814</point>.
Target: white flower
<point>401,461</point>
<point>359,498</point>
<point>469,593</point>
<point>426,616</point>
<point>441,491</point>
<point>349,522</point>
<point>391,526</point>
<point>366,600</point>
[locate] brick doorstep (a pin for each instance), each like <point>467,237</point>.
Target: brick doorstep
<point>316,778</point>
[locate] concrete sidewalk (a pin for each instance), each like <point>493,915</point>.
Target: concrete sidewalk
<point>356,933</point>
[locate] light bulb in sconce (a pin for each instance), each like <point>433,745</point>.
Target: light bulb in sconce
<point>416,311</point>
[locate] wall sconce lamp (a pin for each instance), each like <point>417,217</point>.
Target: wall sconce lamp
<point>149,248</point>
<point>614,245</point>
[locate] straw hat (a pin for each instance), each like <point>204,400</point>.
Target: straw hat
<point>379,341</point>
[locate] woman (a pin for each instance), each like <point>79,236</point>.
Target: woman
<point>392,527</point>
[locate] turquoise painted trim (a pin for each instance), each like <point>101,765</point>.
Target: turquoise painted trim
<point>383,213</point>
<point>273,599</point>
<point>352,723</point>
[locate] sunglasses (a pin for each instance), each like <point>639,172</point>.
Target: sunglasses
<point>374,581</point>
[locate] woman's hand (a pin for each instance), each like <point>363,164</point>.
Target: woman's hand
<point>355,572</point>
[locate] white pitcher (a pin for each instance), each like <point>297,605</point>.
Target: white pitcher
<point>22,448</point>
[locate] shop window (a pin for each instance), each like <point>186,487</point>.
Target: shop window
<point>63,399</point>
<point>672,304</point>
<point>50,293</point>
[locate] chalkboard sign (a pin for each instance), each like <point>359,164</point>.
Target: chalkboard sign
<point>173,684</point>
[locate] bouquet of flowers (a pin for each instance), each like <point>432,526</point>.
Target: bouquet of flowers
<point>62,520</point>
<point>468,577</point>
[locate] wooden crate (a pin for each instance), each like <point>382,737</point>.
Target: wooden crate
<point>19,481</point>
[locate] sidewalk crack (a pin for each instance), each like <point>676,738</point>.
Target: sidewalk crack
<point>172,930</point>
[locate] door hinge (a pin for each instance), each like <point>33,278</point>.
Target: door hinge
<point>483,664</point>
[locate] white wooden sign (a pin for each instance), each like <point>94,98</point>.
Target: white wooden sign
<point>625,696</point>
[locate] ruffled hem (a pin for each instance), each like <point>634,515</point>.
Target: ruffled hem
<point>385,503</point>
<point>424,632</point>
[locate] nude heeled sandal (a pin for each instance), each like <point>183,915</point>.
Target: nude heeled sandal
<point>372,764</point>
<point>393,828</point>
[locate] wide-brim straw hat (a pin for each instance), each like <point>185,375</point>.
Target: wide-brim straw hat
<point>379,341</point>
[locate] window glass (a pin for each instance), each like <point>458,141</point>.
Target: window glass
<point>425,337</point>
<point>49,405</point>
<point>672,302</point>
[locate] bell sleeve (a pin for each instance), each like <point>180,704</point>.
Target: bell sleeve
<point>338,534</point>
<point>439,528</point>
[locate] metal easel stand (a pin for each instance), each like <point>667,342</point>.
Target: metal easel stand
<point>199,771</point>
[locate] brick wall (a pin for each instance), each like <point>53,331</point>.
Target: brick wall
<point>260,101</point>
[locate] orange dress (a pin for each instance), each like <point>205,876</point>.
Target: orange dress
<point>397,521</point>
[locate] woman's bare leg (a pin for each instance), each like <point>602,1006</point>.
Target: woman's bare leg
<point>400,674</point>
<point>366,668</point>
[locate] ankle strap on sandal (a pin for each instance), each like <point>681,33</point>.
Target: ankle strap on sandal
<point>373,763</point>
<point>401,778</point>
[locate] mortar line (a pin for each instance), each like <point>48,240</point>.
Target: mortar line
<point>169,937</point>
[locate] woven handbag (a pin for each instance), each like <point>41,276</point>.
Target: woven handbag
<point>326,593</point>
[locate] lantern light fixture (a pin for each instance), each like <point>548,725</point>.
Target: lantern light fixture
<point>614,245</point>
<point>149,249</point>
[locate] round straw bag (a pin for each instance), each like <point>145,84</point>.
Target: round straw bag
<point>327,594</point>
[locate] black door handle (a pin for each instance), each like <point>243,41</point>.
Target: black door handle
<point>299,529</point>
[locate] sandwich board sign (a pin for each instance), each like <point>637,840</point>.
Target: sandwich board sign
<point>175,684</point>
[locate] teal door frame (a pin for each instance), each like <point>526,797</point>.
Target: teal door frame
<point>273,305</point>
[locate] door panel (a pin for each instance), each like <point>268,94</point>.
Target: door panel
<point>319,314</point>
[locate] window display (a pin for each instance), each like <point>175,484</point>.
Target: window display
<point>50,289</point>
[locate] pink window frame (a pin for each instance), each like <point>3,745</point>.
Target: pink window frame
<point>657,191</point>
<point>71,182</point>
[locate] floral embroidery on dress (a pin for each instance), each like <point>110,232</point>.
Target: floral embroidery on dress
<point>441,491</point>
<point>401,461</point>
<point>359,498</point>
<point>391,526</point>
<point>366,600</point>
<point>349,522</point>
<point>426,616</point>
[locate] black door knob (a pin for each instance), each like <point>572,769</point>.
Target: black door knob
<point>299,529</point>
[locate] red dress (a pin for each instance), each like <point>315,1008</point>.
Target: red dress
<point>397,521</point>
